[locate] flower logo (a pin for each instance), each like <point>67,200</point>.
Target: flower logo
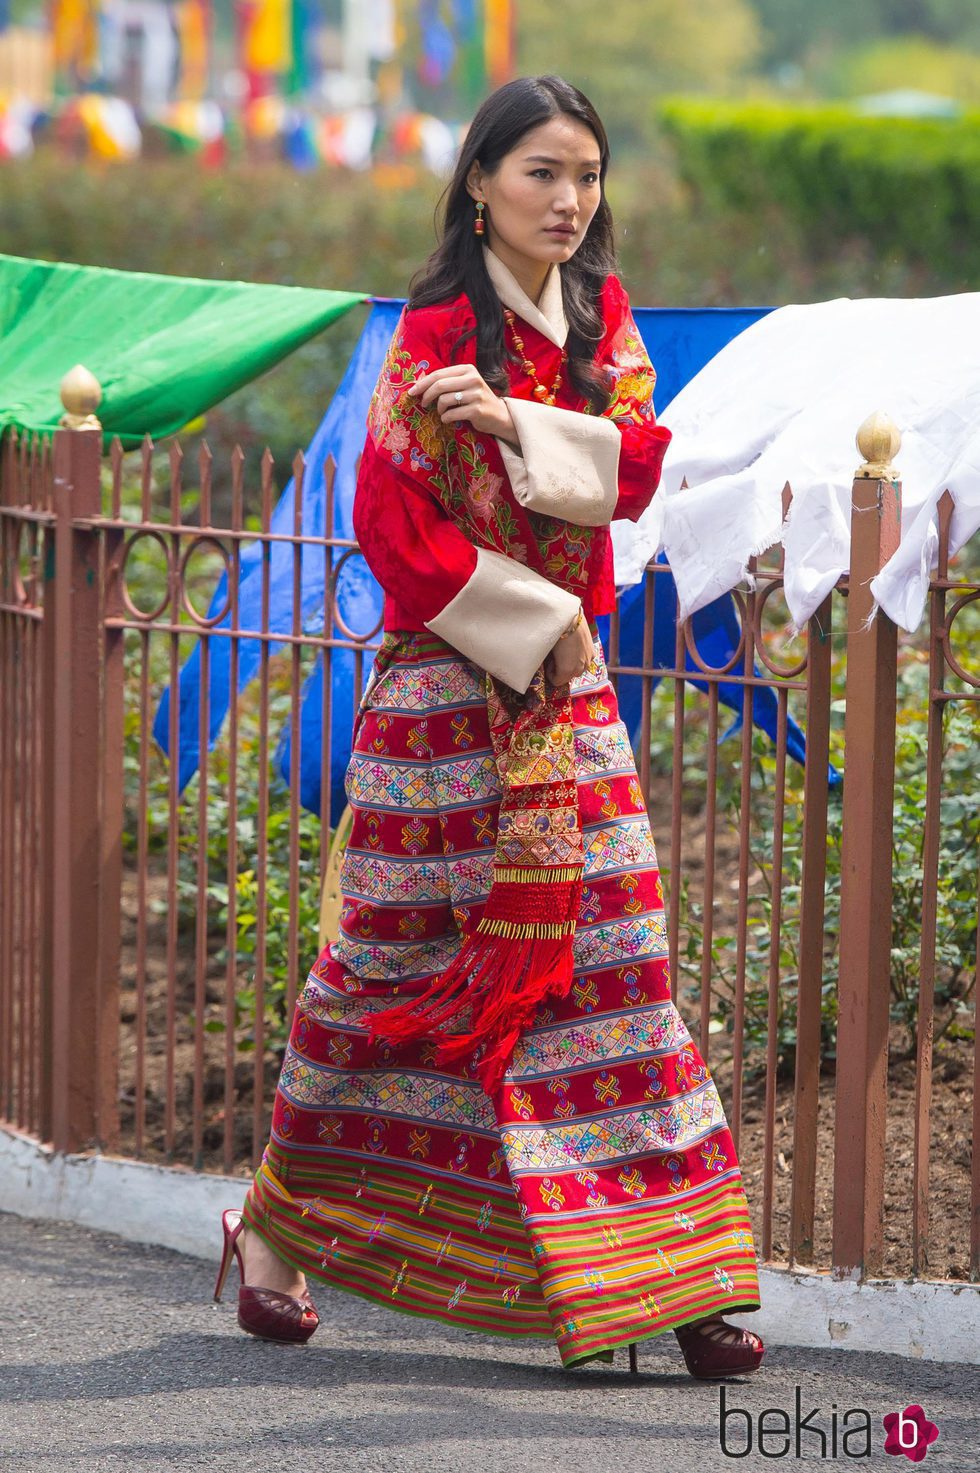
<point>909,1432</point>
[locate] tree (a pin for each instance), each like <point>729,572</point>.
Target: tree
<point>798,30</point>
<point>625,53</point>
<point>955,22</point>
<point>904,61</point>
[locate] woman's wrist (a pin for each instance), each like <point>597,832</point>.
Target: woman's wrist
<point>507,430</point>
<point>574,624</point>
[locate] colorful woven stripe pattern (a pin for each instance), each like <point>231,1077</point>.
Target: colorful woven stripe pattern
<point>596,1198</point>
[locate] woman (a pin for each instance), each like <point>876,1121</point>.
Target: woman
<point>489,1110</point>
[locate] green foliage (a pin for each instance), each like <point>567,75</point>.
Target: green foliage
<point>235,863</point>
<point>799,30</point>
<point>904,61</point>
<point>959,819</point>
<point>793,29</point>
<point>913,186</point>
<point>956,896</point>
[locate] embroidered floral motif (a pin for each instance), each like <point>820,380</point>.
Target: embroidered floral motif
<point>632,376</point>
<point>423,1199</point>
<point>330,1130</point>
<point>501,1266</point>
<point>552,1195</point>
<point>678,1181</point>
<point>594,1280</point>
<point>713,1158</point>
<point>444,1247</point>
<point>460,1161</point>
<point>631,1181</point>
<point>419,1142</point>
<point>607,1088</point>
<point>666,1261</point>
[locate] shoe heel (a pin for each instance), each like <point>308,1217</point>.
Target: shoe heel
<point>231,1226</point>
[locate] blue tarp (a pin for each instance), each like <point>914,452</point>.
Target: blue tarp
<point>680,343</point>
<point>681,340</point>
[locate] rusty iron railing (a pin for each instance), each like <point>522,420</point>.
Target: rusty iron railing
<point>131,1019</point>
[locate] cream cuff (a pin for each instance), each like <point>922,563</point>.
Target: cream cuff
<point>506,618</point>
<point>568,463</point>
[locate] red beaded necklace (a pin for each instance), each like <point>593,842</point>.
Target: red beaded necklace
<point>540,391</point>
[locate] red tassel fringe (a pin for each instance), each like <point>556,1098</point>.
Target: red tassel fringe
<point>503,979</point>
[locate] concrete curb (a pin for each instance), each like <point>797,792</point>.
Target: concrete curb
<point>172,1207</point>
<point>168,1206</point>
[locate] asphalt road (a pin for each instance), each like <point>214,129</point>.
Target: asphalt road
<point>112,1357</point>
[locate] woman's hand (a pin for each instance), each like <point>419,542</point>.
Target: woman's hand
<point>571,655</point>
<point>458,392</point>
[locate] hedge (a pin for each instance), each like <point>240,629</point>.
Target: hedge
<point>912,186</point>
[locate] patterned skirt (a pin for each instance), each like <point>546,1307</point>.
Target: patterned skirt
<point>596,1198</point>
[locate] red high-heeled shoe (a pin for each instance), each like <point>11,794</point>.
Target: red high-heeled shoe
<point>715,1349</point>
<point>263,1312</point>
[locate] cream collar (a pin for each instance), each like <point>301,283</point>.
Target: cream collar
<point>548,316</point>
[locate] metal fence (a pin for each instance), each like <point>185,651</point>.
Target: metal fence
<point>152,941</point>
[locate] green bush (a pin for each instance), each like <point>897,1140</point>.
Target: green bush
<point>911,186</point>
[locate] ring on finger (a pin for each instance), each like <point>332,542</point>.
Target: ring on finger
<point>458,396</point>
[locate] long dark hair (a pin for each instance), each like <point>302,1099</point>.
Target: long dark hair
<point>456,265</point>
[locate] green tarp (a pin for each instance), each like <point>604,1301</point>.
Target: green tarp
<point>164,348</point>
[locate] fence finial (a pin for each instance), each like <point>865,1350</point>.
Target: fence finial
<point>81,394</point>
<point>878,440</point>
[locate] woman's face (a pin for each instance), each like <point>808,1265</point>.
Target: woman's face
<point>542,196</point>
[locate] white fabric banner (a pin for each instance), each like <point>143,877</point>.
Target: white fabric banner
<point>782,402</point>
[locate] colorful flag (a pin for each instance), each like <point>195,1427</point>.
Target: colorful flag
<point>193,21</point>
<point>75,37</point>
<point>499,41</point>
<point>438,45</point>
<point>265,43</point>
<point>472,71</point>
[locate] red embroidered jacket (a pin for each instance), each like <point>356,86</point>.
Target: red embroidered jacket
<point>465,535</point>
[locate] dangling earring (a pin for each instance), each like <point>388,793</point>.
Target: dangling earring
<point>478,222</point>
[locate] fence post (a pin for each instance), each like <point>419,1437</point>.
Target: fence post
<point>866,865</point>
<point>80,1004</point>
<point>806,1104</point>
